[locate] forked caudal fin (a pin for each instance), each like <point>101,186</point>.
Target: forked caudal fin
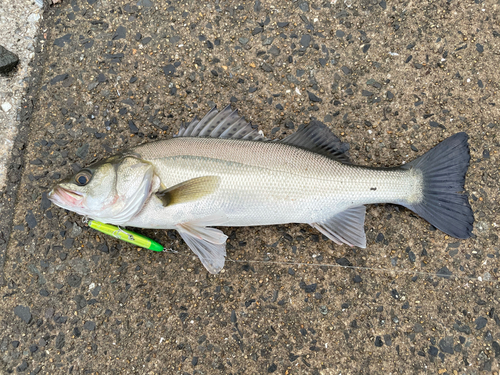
<point>443,170</point>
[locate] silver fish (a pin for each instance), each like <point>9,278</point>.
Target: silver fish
<point>221,172</point>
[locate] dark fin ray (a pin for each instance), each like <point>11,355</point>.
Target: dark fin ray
<point>316,137</point>
<point>188,191</point>
<point>345,227</point>
<point>443,169</point>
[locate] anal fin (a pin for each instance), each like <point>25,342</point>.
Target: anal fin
<point>345,227</point>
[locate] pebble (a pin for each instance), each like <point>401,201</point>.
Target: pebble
<point>346,70</point>
<point>266,67</point>
<point>169,70</point>
<point>462,328</point>
<point>268,41</point>
<point>60,341</point>
<point>446,345</point>
<point>435,124</point>
<point>480,322</point>
<point>388,339</point>
<point>444,273</point>
<point>89,325</point>
<point>75,231</point>
<point>272,368</point>
<point>313,98</point>
<point>74,280</point>
<point>30,219</point>
<point>380,237</point>
<point>8,60</point>
<point>120,33</point>
<point>145,3</point>
<point>22,367</point>
<point>257,30</point>
<point>60,42</point>
<point>310,288</point>
<point>305,41</point>
<point>133,128</point>
<point>275,51</point>
<point>82,151</point>
<point>304,6</point>
<point>68,243</point>
<point>343,262</point>
<point>23,312</point>
<point>6,107</point>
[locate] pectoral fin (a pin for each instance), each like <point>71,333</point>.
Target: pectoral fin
<point>345,227</point>
<point>209,244</point>
<point>189,190</point>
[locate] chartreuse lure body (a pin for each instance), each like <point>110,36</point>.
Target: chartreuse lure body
<point>126,235</point>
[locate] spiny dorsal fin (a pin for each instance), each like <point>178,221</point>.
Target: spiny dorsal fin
<point>318,138</point>
<point>224,124</point>
<point>189,190</point>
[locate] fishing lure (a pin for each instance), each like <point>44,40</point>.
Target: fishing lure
<point>126,235</point>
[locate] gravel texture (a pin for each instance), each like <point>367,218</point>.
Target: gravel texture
<point>392,79</point>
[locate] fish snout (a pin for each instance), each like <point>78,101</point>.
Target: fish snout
<point>62,196</point>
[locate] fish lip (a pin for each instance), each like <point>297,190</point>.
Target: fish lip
<point>63,196</point>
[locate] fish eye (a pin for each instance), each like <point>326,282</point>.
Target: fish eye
<point>83,178</point>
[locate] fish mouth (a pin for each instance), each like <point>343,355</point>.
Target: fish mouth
<point>65,197</point>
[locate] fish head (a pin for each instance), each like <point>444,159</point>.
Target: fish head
<point>111,191</point>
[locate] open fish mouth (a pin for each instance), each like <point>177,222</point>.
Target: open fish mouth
<point>65,197</point>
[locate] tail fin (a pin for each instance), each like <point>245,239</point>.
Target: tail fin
<point>443,169</point>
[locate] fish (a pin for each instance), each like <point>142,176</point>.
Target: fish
<point>220,171</point>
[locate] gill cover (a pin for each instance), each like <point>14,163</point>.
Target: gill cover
<point>111,191</point>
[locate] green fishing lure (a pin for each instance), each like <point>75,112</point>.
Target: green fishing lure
<point>126,235</point>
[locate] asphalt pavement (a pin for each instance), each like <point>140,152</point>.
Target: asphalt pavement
<point>392,79</point>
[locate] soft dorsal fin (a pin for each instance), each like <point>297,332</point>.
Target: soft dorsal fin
<point>318,138</point>
<point>224,124</point>
<point>189,190</point>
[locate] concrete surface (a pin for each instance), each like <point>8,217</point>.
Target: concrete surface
<point>19,21</point>
<point>390,78</point>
